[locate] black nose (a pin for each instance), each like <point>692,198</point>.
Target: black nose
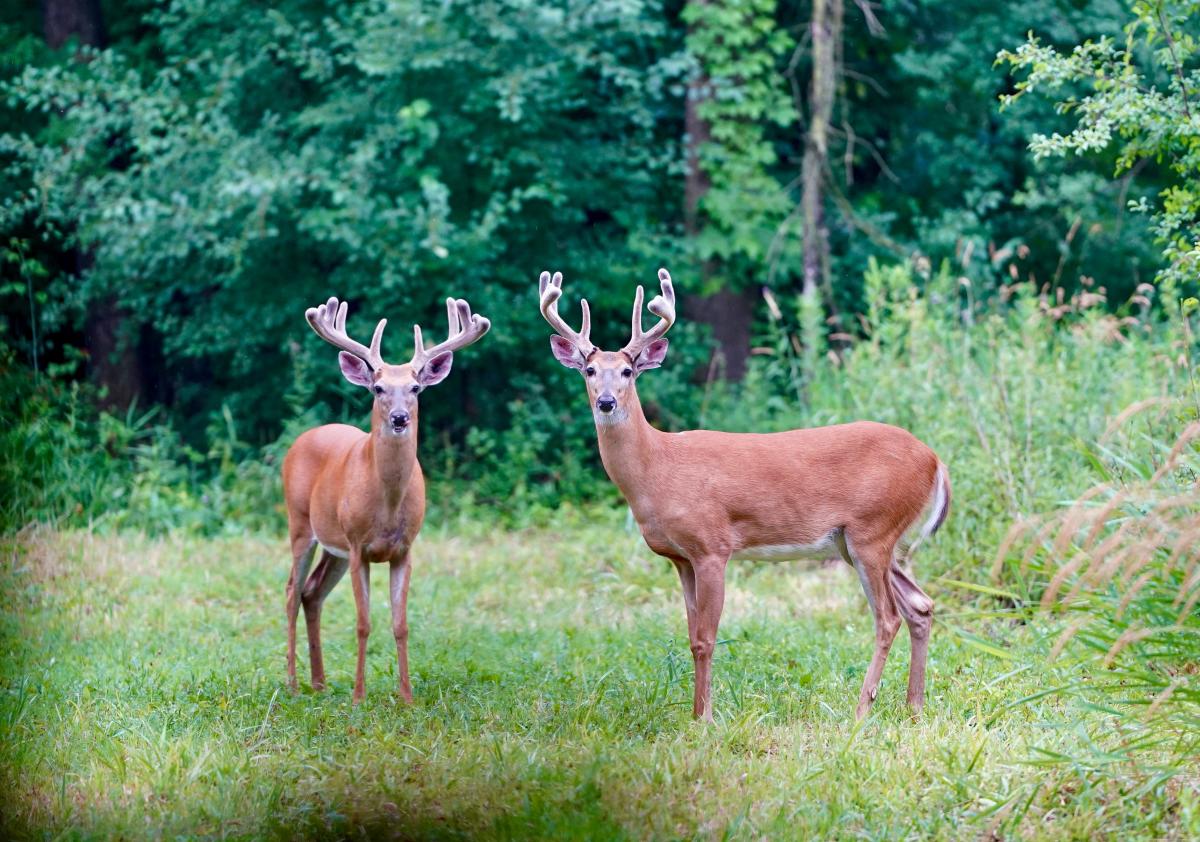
<point>400,419</point>
<point>606,403</point>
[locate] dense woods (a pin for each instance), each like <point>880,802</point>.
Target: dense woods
<point>182,179</point>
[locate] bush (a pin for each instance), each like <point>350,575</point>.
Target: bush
<point>1013,393</point>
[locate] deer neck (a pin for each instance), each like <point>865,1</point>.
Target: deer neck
<point>393,458</point>
<point>627,447</point>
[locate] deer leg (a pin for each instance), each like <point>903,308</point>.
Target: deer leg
<point>303,548</point>
<point>872,563</point>
<point>709,575</point>
<point>360,579</point>
<point>329,572</point>
<point>917,610</point>
<point>687,578</point>
<point>401,571</point>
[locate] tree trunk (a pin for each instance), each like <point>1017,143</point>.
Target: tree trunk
<point>729,313</point>
<point>825,30</point>
<point>115,364</point>
<point>80,19</point>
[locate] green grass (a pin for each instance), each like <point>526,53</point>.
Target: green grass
<point>143,696</point>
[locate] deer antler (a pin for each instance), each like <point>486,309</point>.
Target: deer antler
<point>329,321</point>
<point>662,306</point>
<point>465,329</point>
<point>550,290</point>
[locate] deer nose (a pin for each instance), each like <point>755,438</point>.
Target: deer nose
<point>606,403</point>
<point>400,419</point>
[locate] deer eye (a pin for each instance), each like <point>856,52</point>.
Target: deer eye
<point>416,389</point>
<point>589,371</point>
<point>627,372</point>
<point>378,390</point>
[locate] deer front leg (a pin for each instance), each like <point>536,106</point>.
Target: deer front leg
<point>687,578</point>
<point>401,571</point>
<point>360,578</point>
<point>709,574</point>
<point>303,547</point>
<point>329,572</point>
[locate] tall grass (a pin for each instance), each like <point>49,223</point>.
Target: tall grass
<point>1115,578</point>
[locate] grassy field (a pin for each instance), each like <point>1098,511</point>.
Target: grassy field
<point>143,696</point>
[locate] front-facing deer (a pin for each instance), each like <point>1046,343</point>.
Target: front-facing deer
<point>869,491</point>
<point>361,496</point>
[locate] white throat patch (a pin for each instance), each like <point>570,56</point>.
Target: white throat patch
<point>607,419</point>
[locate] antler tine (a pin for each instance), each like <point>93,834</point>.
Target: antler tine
<point>550,290</point>
<point>464,328</point>
<point>329,322</point>
<point>662,306</point>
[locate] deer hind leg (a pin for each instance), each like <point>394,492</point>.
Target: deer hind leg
<point>303,548</point>
<point>872,562</point>
<point>709,575</point>
<point>917,610</point>
<point>329,571</point>
<point>401,571</point>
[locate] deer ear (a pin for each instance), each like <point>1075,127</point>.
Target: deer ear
<point>435,370</point>
<point>652,355</point>
<point>566,352</point>
<point>354,369</point>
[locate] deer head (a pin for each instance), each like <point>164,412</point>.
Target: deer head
<point>609,375</point>
<point>396,387</point>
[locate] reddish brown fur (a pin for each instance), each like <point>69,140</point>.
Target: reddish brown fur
<point>364,494</point>
<point>702,497</point>
<point>360,495</point>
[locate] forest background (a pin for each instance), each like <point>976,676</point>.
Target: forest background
<point>180,180</point>
<point>978,221</point>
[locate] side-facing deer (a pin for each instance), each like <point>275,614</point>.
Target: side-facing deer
<point>361,496</point>
<point>869,491</point>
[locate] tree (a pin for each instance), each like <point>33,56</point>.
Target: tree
<point>734,200</point>
<point>1140,98</point>
<point>391,152</point>
<point>82,20</point>
<point>116,354</point>
<point>826,33</point>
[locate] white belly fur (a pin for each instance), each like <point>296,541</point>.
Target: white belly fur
<point>334,551</point>
<point>823,549</point>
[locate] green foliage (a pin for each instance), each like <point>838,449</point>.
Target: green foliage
<point>392,153</point>
<point>63,464</point>
<point>737,47</point>
<point>1139,98</point>
<point>217,169</point>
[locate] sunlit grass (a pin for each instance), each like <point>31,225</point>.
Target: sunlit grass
<point>143,695</point>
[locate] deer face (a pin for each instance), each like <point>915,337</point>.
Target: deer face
<point>395,388</point>
<point>609,375</point>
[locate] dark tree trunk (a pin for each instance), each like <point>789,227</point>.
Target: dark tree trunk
<point>729,313</point>
<point>63,20</point>
<point>115,364</point>
<point>698,132</point>
<point>825,30</point>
